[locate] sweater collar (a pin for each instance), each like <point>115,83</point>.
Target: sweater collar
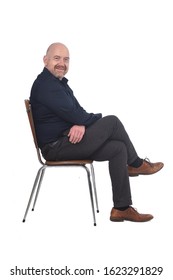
<point>48,73</point>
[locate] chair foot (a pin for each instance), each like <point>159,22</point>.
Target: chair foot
<point>23,220</point>
<point>97,211</point>
<point>32,209</point>
<point>94,224</point>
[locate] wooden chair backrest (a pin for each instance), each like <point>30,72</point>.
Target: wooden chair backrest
<point>31,122</point>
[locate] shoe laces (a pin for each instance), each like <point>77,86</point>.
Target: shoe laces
<point>148,161</point>
<point>134,209</point>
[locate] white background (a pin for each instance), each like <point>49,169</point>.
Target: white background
<point>122,64</point>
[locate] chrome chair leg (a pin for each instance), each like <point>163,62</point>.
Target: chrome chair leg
<point>94,186</point>
<point>39,185</point>
<point>32,192</point>
<point>91,193</point>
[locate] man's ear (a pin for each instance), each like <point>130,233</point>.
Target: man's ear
<point>45,60</point>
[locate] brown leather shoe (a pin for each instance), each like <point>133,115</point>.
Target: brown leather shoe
<point>147,168</point>
<point>129,214</point>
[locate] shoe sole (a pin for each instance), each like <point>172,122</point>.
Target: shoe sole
<point>135,175</point>
<point>128,220</point>
<point>114,220</point>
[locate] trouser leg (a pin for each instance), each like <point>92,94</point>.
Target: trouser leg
<point>115,152</point>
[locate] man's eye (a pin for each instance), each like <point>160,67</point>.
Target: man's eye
<point>66,59</point>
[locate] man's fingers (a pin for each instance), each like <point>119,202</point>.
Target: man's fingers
<point>76,138</point>
<point>76,134</point>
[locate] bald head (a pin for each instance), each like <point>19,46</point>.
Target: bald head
<point>56,59</point>
<point>55,45</point>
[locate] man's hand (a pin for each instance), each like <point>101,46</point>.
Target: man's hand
<point>76,133</point>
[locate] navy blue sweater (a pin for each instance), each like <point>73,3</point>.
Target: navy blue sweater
<point>55,108</point>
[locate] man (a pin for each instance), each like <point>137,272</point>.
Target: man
<point>66,131</point>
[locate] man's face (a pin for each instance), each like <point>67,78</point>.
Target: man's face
<point>57,60</point>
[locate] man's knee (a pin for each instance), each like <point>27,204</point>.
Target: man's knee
<point>111,119</point>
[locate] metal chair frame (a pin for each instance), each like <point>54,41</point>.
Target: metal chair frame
<point>69,163</point>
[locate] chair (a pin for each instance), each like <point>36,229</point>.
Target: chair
<point>46,164</point>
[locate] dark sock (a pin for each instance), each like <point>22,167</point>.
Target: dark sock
<point>122,208</point>
<point>137,163</point>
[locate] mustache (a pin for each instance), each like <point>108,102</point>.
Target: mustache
<point>60,67</point>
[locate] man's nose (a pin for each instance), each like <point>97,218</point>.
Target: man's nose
<point>61,61</point>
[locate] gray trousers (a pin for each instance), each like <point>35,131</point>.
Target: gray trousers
<point>105,140</point>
